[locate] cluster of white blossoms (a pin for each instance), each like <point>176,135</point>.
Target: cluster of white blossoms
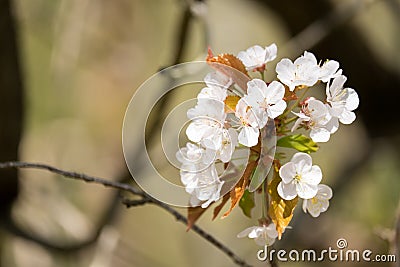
<point>211,141</point>
<point>322,118</point>
<point>301,178</point>
<point>217,129</point>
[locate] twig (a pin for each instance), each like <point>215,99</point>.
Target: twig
<point>129,203</point>
<point>73,175</point>
<point>145,198</point>
<point>180,218</point>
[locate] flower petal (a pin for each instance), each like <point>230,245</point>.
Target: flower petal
<point>352,100</point>
<point>333,125</point>
<point>246,232</point>
<point>329,70</point>
<point>286,72</point>
<point>306,191</point>
<point>297,124</point>
<point>217,79</point>
<point>277,109</point>
<point>337,86</point>
<point>287,172</point>
<point>196,131</point>
<point>287,191</point>
<point>317,207</point>
<point>320,135</point>
<point>313,177</point>
<point>256,84</point>
<point>347,117</point>
<point>271,52</point>
<point>274,92</point>
<point>303,162</point>
<point>271,230</point>
<point>248,136</point>
<point>324,192</point>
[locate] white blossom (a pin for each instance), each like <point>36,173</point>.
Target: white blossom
<point>316,116</point>
<point>194,163</point>
<point>218,79</point>
<point>250,121</point>
<point>256,57</point>
<point>207,189</point>
<point>208,118</point>
<point>213,92</point>
<point>299,178</point>
<point>303,71</point>
<point>329,70</point>
<point>223,146</point>
<point>320,202</point>
<point>342,100</point>
<point>217,84</point>
<point>262,235</point>
<point>199,175</point>
<point>267,98</point>
<point>192,154</point>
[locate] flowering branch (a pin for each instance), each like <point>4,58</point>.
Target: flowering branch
<point>144,199</point>
<point>225,121</point>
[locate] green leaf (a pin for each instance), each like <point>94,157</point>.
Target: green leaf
<point>299,142</point>
<point>246,203</point>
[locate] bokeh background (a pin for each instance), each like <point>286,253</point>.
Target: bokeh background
<point>79,63</point>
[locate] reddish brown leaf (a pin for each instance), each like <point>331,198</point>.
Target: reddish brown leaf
<point>194,214</point>
<point>289,95</point>
<point>218,208</point>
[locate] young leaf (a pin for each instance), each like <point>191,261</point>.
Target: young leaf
<point>218,208</point>
<point>280,210</point>
<point>238,191</point>
<point>194,214</point>
<point>299,142</point>
<point>246,203</point>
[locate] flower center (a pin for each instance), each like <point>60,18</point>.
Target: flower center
<point>297,177</point>
<point>244,122</point>
<point>264,103</point>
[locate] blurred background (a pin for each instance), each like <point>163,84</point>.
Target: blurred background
<point>68,70</point>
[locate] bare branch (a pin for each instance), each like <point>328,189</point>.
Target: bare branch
<point>129,203</point>
<point>145,198</point>
<point>73,175</point>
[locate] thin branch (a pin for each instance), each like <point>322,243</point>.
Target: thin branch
<point>73,175</point>
<point>110,211</point>
<point>180,218</point>
<point>145,198</point>
<point>129,203</point>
